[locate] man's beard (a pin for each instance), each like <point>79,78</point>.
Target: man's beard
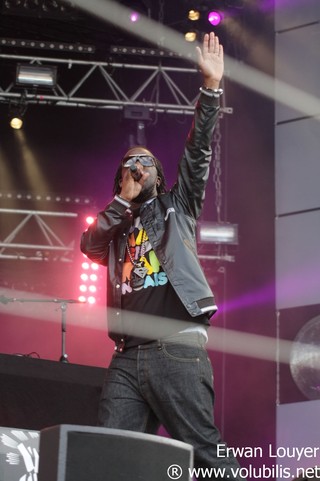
<point>144,195</point>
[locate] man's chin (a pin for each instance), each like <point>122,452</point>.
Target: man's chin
<point>140,199</point>
<point>143,197</point>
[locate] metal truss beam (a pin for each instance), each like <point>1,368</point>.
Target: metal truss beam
<point>109,85</point>
<point>16,243</point>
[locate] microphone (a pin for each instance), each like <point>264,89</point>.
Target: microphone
<point>136,174</point>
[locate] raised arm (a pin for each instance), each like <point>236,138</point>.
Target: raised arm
<point>194,166</point>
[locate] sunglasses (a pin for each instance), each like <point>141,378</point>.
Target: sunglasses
<point>144,159</point>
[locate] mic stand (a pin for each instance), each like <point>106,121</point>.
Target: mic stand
<point>63,307</point>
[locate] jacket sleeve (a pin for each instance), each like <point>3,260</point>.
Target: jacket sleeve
<point>194,165</point>
<point>109,223</point>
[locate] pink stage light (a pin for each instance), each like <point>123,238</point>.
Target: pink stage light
<point>89,276</point>
<point>134,17</point>
<point>89,219</point>
<point>215,18</point>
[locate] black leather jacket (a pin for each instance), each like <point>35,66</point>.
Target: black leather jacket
<point>170,222</point>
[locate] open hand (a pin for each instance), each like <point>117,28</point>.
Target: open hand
<point>210,61</point>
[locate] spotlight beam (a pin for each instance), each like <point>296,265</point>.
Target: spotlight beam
<point>233,342</point>
<point>156,33</point>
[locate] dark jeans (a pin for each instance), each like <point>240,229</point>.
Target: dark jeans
<point>171,384</point>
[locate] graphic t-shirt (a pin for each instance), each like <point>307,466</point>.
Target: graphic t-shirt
<point>146,289</point>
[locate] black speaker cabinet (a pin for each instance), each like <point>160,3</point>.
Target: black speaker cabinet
<point>83,453</point>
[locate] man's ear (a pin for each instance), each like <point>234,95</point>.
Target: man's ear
<point>158,181</point>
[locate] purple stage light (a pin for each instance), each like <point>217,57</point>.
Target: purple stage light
<point>214,18</point>
<point>134,16</point>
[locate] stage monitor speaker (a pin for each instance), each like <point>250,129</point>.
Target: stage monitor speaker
<point>83,453</point>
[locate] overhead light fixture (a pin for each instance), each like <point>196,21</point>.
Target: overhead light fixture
<point>134,17</point>
<point>146,52</point>
<point>190,36</point>
<point>16,122</point>
<point>36,75</point>
<point>40,9</point>
<point>215,17</point>
<point>16,113</point>
<point>46,45</point>
<point>136,112</point>
<point>217,233</point>
<point>137,8</point>
<point>47,197</point>
<point>193,15</point>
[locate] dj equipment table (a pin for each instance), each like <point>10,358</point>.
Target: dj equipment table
<point>36,393</point>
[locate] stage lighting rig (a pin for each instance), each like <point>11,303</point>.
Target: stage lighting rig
<point>17,110</point>
<point>40,8</point>
<point>217,233</point>
<point>46,45</point>
<point>36,75</point>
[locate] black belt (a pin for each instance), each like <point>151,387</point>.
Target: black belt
<point>190,339</point>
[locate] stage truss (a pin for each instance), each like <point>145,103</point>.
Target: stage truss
<point>107,85</point>
<point>22,227</point>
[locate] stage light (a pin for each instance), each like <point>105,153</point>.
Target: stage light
<point>190,36</point>
<point>50,6</point>
<point>37,76</point>
<point>146,52</point>
<point>193,15</point>
<point>90,276</point>
<point>217,233</point>
<point>134,17</point>
<point>16,122</point>
<point>25,196</point>
<point>87,284</point>
<point>215,17</point>
<point>89,219</point>
<point>137,9</point>
<point>17,109</point>
<point>43,9</point>
<point>46,45</point>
